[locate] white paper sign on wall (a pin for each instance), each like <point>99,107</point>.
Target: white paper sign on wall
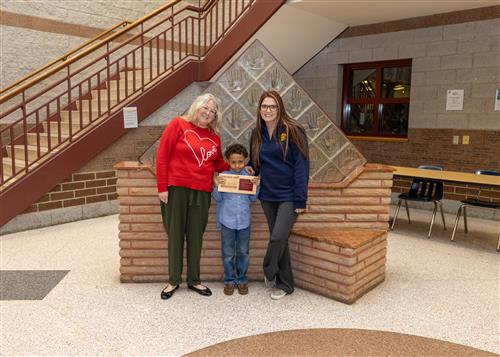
<point>455,99</point>
<point>130,117</point>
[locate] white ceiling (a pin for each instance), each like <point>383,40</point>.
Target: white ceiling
<point>363,12</point>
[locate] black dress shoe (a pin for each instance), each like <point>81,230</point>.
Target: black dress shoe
<point>205,292</point>
<point>168,294</point>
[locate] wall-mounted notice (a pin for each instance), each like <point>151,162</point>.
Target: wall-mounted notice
<point>497,100</point>
<point>130,117</point>
<point>455,99</point>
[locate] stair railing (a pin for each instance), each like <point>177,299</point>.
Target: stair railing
<point>51,110</point>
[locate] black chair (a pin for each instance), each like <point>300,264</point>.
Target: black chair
<point>423,190</point>
<point>477,202</point>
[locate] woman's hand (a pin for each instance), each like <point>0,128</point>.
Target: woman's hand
<point>249,170</point>
<point>163,196</point>
<point>218,180</point>
<point>256,180</point>
<point>300,210</point>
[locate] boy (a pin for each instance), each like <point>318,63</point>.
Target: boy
<point>233,218</point>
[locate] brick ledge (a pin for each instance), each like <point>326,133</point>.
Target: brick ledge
<point>345,238</point>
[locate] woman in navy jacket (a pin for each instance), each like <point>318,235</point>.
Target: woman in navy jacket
<point>279,152</point>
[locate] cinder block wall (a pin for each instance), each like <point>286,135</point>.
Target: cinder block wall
<point>364,203</point>
<point>457,52</point>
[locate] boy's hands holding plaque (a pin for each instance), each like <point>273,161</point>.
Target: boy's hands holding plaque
<point>237,184</point>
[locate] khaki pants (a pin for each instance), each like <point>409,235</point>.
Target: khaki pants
<point>185,216</point>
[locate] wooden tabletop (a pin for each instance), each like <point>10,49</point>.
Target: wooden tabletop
<point>454,176</point>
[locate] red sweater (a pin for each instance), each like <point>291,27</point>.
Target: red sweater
<point>188,156</point>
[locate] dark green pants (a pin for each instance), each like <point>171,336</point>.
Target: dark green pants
<point>185,216</point>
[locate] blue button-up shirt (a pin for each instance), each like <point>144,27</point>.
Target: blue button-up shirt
<point>233,209</point>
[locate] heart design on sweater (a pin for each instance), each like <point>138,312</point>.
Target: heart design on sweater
<point>202,148</point>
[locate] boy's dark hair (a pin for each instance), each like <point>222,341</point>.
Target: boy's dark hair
<point>236,149</point>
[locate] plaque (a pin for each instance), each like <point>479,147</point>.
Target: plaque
<point>237,184</point>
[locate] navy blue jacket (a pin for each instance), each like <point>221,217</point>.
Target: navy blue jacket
<point>282,180</point>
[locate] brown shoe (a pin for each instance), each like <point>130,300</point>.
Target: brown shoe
<point>228,289</point>
<point>242,289</point>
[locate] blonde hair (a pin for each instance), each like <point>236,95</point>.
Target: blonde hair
<point>201,101</point>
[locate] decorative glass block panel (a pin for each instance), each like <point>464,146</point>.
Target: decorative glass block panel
<point>314,121</point>
<point>331,141</point>
<point>317,159</point>
<point>332,155</point>
<point>219,92</point>
<point>328,173</point>
<point>250,99</point>
<point>236,119</point>
<point>244,138</point>
<point>275,78</point>
<point>348,159</point>
<point>255,59</point>
<point>149,156</point>
<point>235,80</point>
<point>296,100</point>
<point>226,139</point>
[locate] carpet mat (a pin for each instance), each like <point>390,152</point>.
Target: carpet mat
<point>28,284</point>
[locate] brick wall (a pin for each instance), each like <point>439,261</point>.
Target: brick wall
<point>334,270</point>
<point>78,189</point>
<point>452,190</point>
<point>363,203</point>
<point>435,147</point>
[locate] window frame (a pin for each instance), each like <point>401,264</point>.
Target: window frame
<point>377,101</point>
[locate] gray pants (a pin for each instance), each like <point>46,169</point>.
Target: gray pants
<point>280,218</point>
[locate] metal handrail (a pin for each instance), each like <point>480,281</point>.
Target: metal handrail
<point>98,45</point>
<point>93,90</point>
<point>64,57</point>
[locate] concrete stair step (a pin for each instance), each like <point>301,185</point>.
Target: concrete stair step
<point>138,73</point>
<point>75,115</point>
<point>7,166</point>
<point>87,104</point>
<point>44,141</point>
<point>64,125</point>
<point>31,150</point>
<point>113,93</point>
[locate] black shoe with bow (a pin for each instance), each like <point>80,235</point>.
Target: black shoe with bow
<point>205,291</point>
<point>168,294</point>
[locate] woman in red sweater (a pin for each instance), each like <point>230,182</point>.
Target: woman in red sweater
<point>188,155</point>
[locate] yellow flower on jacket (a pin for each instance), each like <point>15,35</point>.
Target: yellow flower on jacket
<point>283,137</point>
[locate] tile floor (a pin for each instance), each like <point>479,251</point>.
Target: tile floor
<point>433,288</point>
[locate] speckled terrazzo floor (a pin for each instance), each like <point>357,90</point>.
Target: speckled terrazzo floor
<point>433,288</point>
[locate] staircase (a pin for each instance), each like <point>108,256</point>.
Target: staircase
<point>54,133</point>
<point>55,122</point>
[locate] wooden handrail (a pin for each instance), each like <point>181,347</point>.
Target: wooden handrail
<point>94,47</point>
<point>66,55</point>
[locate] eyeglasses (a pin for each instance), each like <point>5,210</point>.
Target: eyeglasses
<point>211,111</point>
<point>271,107</point>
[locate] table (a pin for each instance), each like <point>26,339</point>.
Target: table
<point>454,176</point>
